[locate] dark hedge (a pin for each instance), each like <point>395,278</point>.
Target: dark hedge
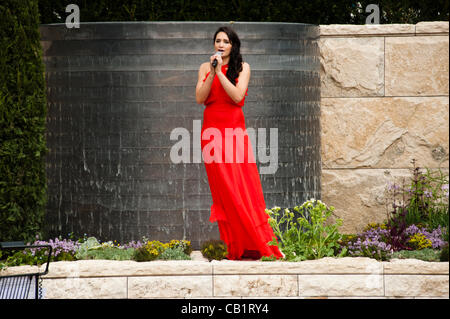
<point>306,11</point>
<point>22,122</point>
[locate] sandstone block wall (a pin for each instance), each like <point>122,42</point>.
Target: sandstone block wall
<point>346,277</point>
<point>384,101</point>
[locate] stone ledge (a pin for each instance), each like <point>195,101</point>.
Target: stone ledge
<point>327,265</point>
<point>366,29</point>
<point>429,27</point>
<point>346,265</point>
<point>420,28</point>
<point>346,277</point>
<point>414,266</point>
<point>127,268</point>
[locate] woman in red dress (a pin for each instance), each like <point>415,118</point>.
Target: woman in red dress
<point>238,201</point>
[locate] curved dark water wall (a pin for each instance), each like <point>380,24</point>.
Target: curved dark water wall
<point>117,90</point>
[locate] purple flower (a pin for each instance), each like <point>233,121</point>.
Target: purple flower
<point>435,236</point>
<point>370,243</point>
<point>445,189</point>
<point>411,230</point>
<point>428,194</point>
<point>133,244</point>
<point>58,246</point>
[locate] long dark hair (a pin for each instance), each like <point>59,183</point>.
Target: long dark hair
<point>235,62</point>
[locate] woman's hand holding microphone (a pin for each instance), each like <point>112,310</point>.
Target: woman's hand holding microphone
<point>216,62</point>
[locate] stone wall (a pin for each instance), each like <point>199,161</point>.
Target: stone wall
<point>323,278</point>
<point>384,101</point>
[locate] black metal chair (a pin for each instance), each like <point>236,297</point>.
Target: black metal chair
<point>19,286</point>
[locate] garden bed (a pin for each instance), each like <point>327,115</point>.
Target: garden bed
<point>398,258</point>
<point>347,277</point>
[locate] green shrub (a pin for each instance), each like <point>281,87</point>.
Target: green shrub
<point>90,243</point>
<point>109,253</point>
<point>91,248</point>
<point>310,236</point>
<point>185,245</point>
<point>214,249</point>
<point>152,250</point>
<point>424,199</point>
<point>347,239</point>
<point>142,254</point>
<point>23,186</point>
<point>444,254</point>
<point>270,258</point>
<point>315,12</point>
<point>426,254</point>
<point>175,253</point>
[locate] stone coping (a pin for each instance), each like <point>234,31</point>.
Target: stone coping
<point>347,277</point>
<point>421,28</point>
<point>328,265</point>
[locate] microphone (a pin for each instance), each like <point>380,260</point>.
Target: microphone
<point>214,63</point>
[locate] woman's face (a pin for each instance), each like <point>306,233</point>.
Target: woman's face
<point>222,43</point>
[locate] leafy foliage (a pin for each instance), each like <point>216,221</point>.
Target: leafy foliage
<point>376,242</point>
<point>310,236</point>
<point>214,249</point>
<point>142,254</point>
<point>109,253</point>
<point>152,250</point>
<point>174,253</point>
<point>426,254</point>
<point>314,12</point>
<point>183,245</point>
<point>423,201</point>
<point>23,188</point>
<point>444,254</point>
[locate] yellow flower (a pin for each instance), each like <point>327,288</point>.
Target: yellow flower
<point>419,241</point>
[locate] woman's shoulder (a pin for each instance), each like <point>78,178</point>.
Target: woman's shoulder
<point>203,71</point>
<point>245,65</point>
<point>204,66</point>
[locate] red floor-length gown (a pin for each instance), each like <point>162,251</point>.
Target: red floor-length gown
<point>238,201</point>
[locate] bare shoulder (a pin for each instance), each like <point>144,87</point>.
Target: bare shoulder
<point>245,69</point>
<point>204,67</point>
<point>203,70</point>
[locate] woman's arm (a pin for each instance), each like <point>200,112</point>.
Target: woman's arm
<point>236,93</point>
<point>203,88</point>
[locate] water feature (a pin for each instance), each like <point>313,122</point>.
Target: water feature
<point>115,92</point>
